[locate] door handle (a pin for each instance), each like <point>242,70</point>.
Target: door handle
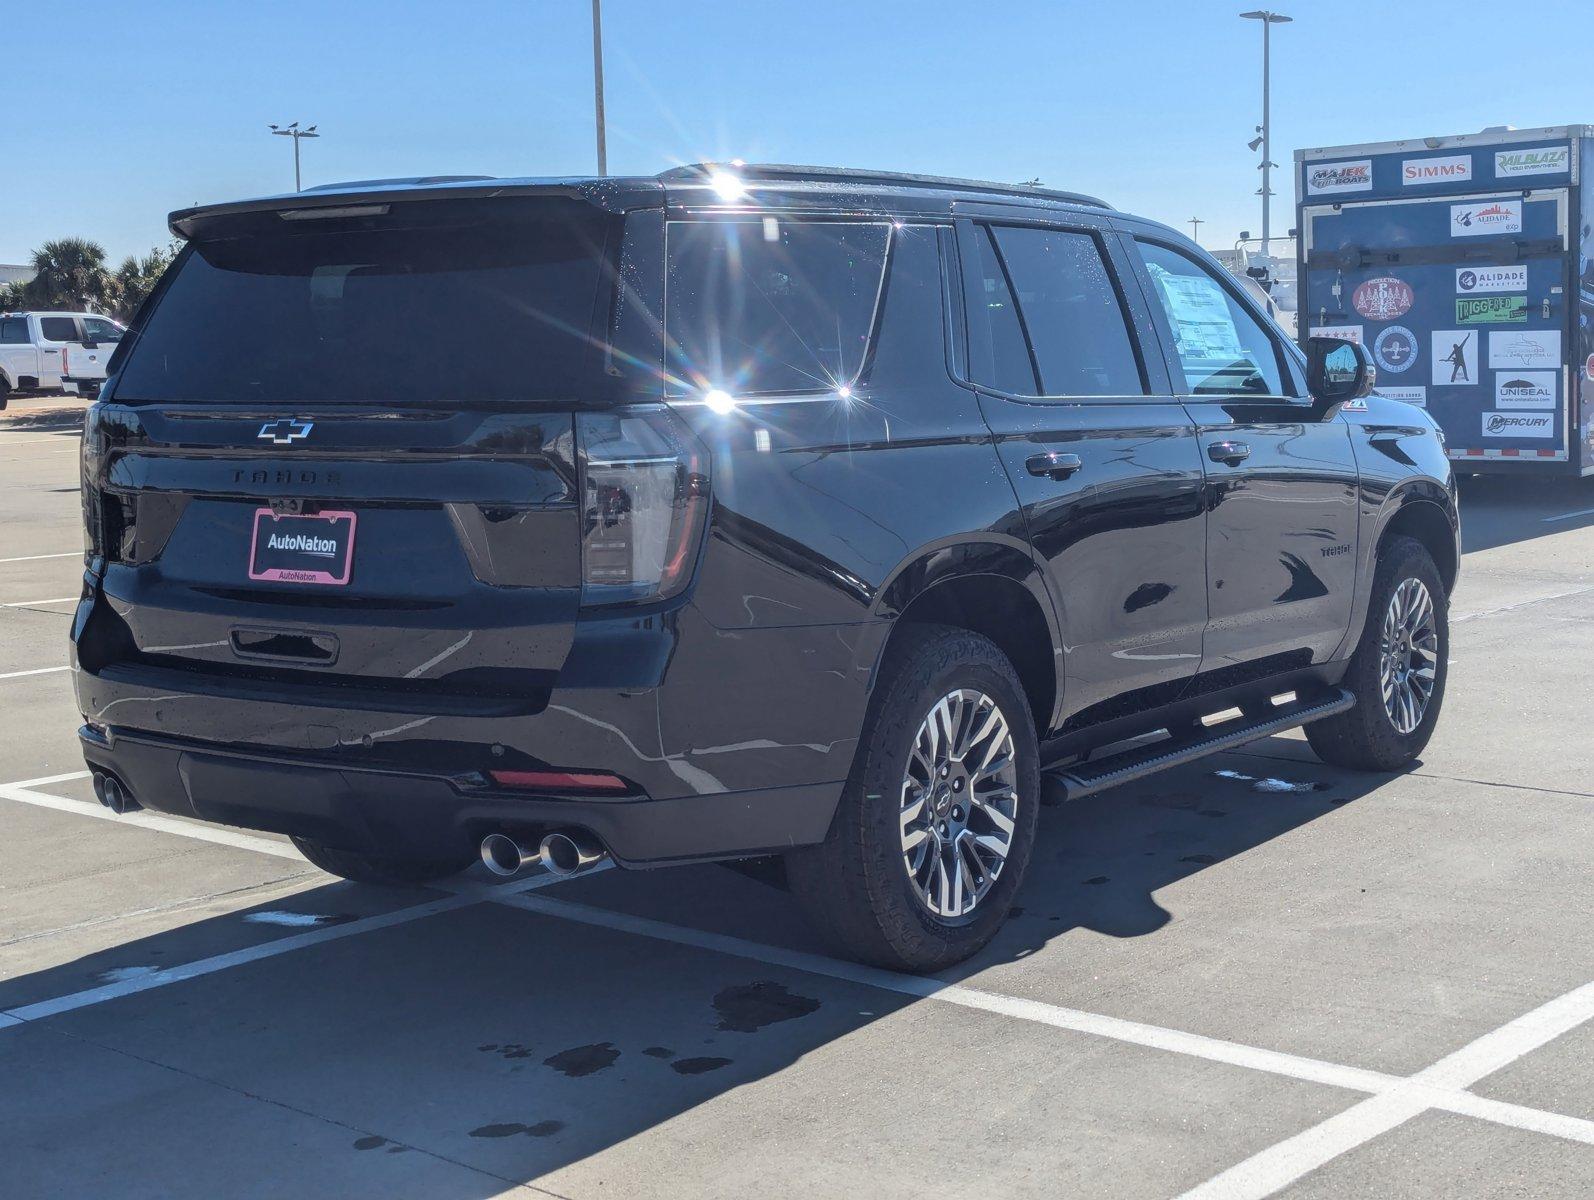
<point>1232,453</point>
<point>1053,465</point>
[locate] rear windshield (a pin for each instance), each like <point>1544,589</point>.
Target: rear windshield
<point>500,310</point>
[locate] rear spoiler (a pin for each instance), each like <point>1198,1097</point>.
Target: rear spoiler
<point>333,201</point>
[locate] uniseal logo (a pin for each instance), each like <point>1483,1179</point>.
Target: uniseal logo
<point>1345,333</point>
<point>1492,279</point>
<point>1324,178</point>
<point>1456,169</point>
<point>1411,395</point>
<point>1527,348</point>
<point>1492,310</point>
<point>1518,425</point>
<point>1382,299</point>
<point>1480,220</point>
<point>1395,349</point>
<point>1547,160</point>
<point>1524,389</point>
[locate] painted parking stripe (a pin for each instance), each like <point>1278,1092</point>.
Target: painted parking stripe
<point>1280,1165</point>
<point>35,671</point>
<point>1582,512</point>
<point>25,793</point>
<point>41,603</point>
<point>42,557</point>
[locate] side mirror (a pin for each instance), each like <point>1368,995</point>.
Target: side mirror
<point>1338,370</point>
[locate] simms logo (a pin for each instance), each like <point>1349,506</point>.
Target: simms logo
<point>1547,160</point>
<point>1323,178</point>
<point>1436,170</point>
<point>1502,216</point>
<point>303,543</point>
<point>1518,425</point>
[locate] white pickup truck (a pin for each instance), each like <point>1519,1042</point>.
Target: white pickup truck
<point>54,351</point>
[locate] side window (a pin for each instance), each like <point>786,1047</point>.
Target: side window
<point>14,331</point>
<point>1072,312</point>
<point>58,329</point>
<point>771,305</point>
<point>1223,349</point>
<point>910,347</point>
<point>1001,357</point>
<point>99,329</point>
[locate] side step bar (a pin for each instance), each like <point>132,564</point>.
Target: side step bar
<point>1085,779</point>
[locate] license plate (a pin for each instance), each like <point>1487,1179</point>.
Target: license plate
<point>302,548</point>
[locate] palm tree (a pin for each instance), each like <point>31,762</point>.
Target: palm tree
<point>71,274</point>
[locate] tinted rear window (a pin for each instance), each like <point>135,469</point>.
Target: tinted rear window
<point>499,310</point>
<point>771,305</point>
<point>58,329</point>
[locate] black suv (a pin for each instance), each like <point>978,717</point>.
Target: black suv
<point>732,513</point>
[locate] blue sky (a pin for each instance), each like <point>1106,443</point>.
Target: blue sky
<point>1148,104</point>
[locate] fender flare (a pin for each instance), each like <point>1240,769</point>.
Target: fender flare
<point>1417,490</point>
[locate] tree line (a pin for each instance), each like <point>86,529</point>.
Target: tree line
<point>71,275</point>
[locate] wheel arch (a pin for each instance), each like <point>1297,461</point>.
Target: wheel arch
<point>995,589</point>
<point>1426,513</point>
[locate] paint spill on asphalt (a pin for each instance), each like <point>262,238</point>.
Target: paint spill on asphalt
<point>749,1007</point>
<point>583,1060</point>
<point>123,974</point>
<point>295,920</point>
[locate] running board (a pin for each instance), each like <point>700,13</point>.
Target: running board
<point>1085,779</point>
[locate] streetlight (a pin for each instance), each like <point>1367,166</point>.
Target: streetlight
<point>597,83</point>
<point>1195,229</point>
<point>1268,19</point>
<point>295,133</point>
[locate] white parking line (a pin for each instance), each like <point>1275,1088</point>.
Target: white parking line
<point>40,557</point>
<point>41,603</point>
<point>1394,1099</point>
<point>35,671</point>
<point>1281,1165</point>
<point>1582,512</point>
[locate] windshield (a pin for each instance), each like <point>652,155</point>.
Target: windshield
<point>510,309</point>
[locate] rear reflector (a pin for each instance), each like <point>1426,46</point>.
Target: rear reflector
<point>559,781</point>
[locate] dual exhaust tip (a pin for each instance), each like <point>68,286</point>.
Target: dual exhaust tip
<point>564,852</point>
<point>108,790</point>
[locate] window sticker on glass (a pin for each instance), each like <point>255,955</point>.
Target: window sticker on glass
<point>1200,315</point>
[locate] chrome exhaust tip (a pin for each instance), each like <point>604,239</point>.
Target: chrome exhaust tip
<point>569,852</point>
<point>503,855</point>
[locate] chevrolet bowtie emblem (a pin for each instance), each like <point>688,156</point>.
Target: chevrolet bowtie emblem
<point>286,431</point>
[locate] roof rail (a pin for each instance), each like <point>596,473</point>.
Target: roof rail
<point>802,174</point>
<point>416,180</point>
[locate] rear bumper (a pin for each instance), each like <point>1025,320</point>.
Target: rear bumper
<point>434,816</point>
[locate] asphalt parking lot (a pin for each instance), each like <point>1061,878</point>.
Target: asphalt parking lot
<point>1249,977</point>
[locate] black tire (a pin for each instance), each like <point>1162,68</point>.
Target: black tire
<point>855,885</point>
<point>1365,737</point>
<point>372,868</point>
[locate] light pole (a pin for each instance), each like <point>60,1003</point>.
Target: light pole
<point>1268,19</point>
<point>597,83</point>
<point>295,133</point>
<point>1195,229</point>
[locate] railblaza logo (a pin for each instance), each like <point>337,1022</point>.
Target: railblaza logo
<point>1479,220</point>
<point>1518,425</point>
<point>1456,169</point>
<point>1547,160</point>
<point>1492,279</point>
<point>1492,310</point>
<point>1524,389</point>
<point>1383,298</point>
<point>1339,177</point>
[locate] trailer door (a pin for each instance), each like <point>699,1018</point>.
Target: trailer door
<point>1461,300</point>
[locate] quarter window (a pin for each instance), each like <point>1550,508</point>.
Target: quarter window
<point>1001,357</point>
<point>771,305</point>
<point>1072,312</point>
<point>14,331</point>
<point>1223,350</point>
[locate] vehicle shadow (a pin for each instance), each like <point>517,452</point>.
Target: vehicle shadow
<point>516,1043</point>
<point>1501,510</point>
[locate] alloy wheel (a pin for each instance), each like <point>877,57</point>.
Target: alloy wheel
<point>1409,655</point>
<point>959,803</point>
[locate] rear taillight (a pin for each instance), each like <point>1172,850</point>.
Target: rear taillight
<point>66,363</point>
<point>644,500</point>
